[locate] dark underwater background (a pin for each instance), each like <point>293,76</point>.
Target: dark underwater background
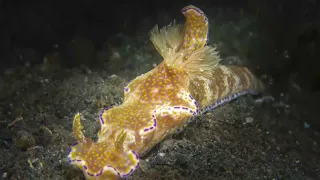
<point>62,57</point>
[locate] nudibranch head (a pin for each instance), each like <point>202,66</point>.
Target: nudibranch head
<point>102,160</point>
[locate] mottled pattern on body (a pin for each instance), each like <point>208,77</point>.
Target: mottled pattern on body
<point>225,82</point>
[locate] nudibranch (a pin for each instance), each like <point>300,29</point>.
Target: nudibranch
<point>188,82</point>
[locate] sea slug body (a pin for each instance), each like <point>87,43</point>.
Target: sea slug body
<point>188,82</point>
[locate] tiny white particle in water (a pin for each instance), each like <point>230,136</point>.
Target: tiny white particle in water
<point>249,119</point>
<point>4,175</point>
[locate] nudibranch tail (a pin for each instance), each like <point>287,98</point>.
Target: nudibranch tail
<point>102,160</point>
<point>226,83</point>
